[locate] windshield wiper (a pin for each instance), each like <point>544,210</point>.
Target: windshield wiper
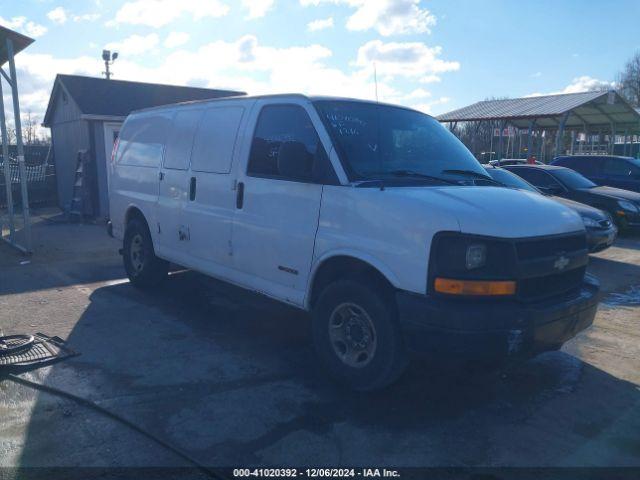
<point>473,173</point>
<point>411,173</point>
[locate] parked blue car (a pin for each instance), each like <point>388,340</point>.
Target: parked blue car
<point>609,170</point>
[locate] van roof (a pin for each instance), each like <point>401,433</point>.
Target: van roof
<point>311,98</point>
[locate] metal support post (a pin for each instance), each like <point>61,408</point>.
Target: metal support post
<point>20,146</point>
<point>532,124</point>
<point>500,142</point>
<point>560,133</point>
<point>7,168</point>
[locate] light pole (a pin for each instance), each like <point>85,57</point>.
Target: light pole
<point>108,58</point>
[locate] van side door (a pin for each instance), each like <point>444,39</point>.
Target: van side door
<point>174,185</point>
<point>211,205</point>
<point>278,198</point>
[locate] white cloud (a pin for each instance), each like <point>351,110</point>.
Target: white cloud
<point>21,24</point>
<point>175,39</point>
<point>387,17</point>
<point>410,59</point>
<point>428,107</point>
<point>249,65</point>
<point>320,24</point>
<point>135,44</point>
<point>86,17</point>
<point>585,83</point>
<point>157,13</point>
<point>57,15</point>
<point>430,79</point>
<point>417,93</point>
<point>536,75</point>
<point>257,8</point>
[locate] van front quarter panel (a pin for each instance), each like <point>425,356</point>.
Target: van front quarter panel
<point>383,228</point>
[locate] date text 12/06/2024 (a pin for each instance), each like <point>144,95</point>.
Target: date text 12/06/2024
<point>315,473</point>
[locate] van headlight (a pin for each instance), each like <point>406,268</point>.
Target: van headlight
<point>628,206</point>
<point>473,265</point>
<point>590,222</point>
<point>476,256</point>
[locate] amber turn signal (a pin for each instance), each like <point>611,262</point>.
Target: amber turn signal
<point>474,287</point>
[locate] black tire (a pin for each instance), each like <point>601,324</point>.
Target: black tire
<point>388,360</point>
<point>143,268</point>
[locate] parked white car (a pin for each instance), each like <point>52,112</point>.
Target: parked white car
<point>371,216</point>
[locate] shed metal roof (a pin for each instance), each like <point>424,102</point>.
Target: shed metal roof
<point>590,109</point>
<point>117,98</point>
<point>20,42</point>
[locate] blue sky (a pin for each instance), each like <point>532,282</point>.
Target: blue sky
<point>434,55</point>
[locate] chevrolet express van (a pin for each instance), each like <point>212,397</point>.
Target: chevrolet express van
<point>372,217</point>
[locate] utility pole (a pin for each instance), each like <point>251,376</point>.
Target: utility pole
<point>108,58</point>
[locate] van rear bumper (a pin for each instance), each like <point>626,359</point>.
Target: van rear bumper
<point>495,329</point>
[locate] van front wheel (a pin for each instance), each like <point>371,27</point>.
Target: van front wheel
<point>357,336</point>
<point>143,268</point>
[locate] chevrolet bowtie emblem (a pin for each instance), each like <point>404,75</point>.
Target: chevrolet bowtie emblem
<point>561,263</point>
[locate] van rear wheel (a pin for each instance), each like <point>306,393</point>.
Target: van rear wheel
<point>143,268</point>
<point>357,337</point>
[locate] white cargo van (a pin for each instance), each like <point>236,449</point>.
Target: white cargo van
<point>371,216</point>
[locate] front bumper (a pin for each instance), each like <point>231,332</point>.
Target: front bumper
<point>495,329</point>
<point>598,239</point>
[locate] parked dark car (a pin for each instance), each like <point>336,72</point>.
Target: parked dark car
<point>601,230</point>
<point>622,205</point>
<point>611,170</point>
<point>512,161</point>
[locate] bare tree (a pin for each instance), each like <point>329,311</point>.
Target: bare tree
<point>629,80</point>
<point>30,128</point>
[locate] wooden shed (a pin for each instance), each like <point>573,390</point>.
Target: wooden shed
<point>86,113</point>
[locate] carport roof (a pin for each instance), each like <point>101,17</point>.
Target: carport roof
<point>20,42</point>
<point>592,110</point>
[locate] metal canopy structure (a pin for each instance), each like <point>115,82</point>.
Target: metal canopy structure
<point>20,42</point>
<point>591,113</point>
<point>11,43</point>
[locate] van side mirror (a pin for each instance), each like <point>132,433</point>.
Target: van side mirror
<point>294,161</point>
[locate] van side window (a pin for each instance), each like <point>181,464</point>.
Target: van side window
<point>215,139</point>
<point>142,140</point>
<point>180,140</point>
<point>286,146</point>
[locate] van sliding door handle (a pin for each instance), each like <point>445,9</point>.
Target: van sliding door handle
<point>192,189</point>
<point>240,195</point>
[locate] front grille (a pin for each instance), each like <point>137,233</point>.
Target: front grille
<point>538,288</point>
<point>537,259</point>
<point>551,246</point>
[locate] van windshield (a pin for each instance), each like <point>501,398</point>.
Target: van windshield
<point>381,141</point>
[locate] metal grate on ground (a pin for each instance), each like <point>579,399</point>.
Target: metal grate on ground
<point>44,350</point>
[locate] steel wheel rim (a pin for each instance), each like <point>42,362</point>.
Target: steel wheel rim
<point>136,253</point>
<point>352,335</point>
